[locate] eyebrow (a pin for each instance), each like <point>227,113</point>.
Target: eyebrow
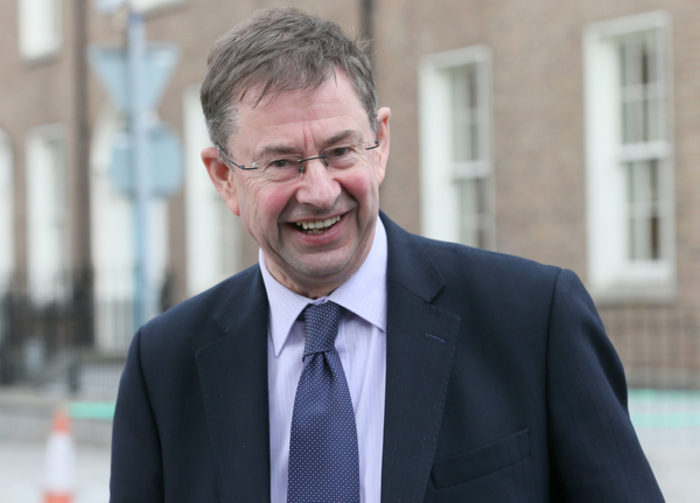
<point>281,149</point>
<point>343,135</point>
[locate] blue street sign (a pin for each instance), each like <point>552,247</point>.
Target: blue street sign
<point>164,158</point>
<point>111,63</point>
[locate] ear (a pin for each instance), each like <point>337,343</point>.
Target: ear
<point>383,116</point>
<point>223,178</point>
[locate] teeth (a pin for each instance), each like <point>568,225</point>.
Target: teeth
<point>318,224</point>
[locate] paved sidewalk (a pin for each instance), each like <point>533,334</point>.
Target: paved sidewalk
<point>22,472</point>
<point>675,459</point>
<point>668,426</point>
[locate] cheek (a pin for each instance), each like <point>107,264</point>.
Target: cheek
<point>266,205</point>
<point>363,187</point>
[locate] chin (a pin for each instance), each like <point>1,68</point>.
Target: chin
<point>325,268</point>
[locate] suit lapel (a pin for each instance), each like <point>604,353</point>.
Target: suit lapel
<point>233,376</point>
<point>421,340</point>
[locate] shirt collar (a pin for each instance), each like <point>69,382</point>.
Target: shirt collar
<point>364,294</point>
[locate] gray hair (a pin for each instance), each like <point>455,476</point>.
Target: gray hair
<point>280,49</point>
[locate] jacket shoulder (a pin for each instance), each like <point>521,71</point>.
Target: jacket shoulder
<point>203,317</point>
<point>451,258</point>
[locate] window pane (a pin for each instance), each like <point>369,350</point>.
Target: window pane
<point>654,131</point>
<point>655,238</point>
<point>6,215</point>
<point>474,142</point>
<point>473,87</point>
<point>641,90</point>
<point>644,210</point>
<point>465,113</point>
<point>460,88</point>
<point>644,63</point>
<point>635,121</point>
<point>651,57</point>
<point>461,144</point>
<point>627,132</point>
<point>472,212</point>
<point>48,229</point>
<point>654,181</point>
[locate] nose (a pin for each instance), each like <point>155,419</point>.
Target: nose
<point>317,186</point>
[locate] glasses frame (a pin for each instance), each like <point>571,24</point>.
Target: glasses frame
<point>301,162</point>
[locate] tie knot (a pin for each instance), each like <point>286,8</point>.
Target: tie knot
<point>321,327</point>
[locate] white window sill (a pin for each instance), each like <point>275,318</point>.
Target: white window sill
<point>645,283</point>
<point>40,58</point>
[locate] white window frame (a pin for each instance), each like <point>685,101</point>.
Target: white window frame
<point>213,231</point>
<point>7,213</point>
<point>40,28</point>
<point>440,204</point>
<point>148,6</point>
<point>7,220</point>
<point>48,215</point>
<point>613,276</point>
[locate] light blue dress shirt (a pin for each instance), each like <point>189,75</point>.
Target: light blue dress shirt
<point>361,344</point>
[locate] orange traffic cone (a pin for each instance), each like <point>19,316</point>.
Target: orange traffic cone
<point>60,461</point>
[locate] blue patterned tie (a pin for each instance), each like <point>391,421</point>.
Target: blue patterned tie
<point>323,455</point>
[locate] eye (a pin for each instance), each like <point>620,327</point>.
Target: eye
<point>338,152</point>
<point>280,163</point>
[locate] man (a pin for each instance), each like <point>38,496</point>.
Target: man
<point>455,374</point>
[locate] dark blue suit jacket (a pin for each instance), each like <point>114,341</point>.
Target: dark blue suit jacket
<point>501,387</point>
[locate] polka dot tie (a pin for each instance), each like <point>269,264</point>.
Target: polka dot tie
<point>323,455</point>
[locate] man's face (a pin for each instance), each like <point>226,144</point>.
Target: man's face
<point>312,262</point>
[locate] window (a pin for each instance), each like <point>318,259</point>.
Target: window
<point>47,213</point>
<point>642,150</point>
<point>7,214</point>
<point>40,27</point>
<point>213,232</point>
<point>629,158</point>
<point>456,159</point>
<point>112,236</point>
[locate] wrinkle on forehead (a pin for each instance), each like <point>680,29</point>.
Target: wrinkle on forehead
<point>280,148</point>
<point>300,122</point>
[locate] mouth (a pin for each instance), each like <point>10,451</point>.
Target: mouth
<point>317,226</point>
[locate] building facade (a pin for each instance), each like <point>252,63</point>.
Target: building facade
<point>568,133</point>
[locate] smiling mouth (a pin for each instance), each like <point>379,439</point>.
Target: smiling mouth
<point>317,226</point>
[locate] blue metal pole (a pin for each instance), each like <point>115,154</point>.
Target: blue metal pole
<point>144,302</point>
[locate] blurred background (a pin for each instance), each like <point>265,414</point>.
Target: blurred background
<point>565,132</point>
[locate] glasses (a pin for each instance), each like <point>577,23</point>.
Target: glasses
<point>286,167</point>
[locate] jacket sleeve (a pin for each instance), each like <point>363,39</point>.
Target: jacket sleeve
<point>137,470</point>
<point>594,450</point>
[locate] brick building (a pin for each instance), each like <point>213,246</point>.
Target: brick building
<point>568,133</point>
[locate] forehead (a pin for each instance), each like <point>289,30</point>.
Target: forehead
<point>305,115</point>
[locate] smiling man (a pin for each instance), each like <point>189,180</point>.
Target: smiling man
<point>313,219</point>
<point>357,363</point>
